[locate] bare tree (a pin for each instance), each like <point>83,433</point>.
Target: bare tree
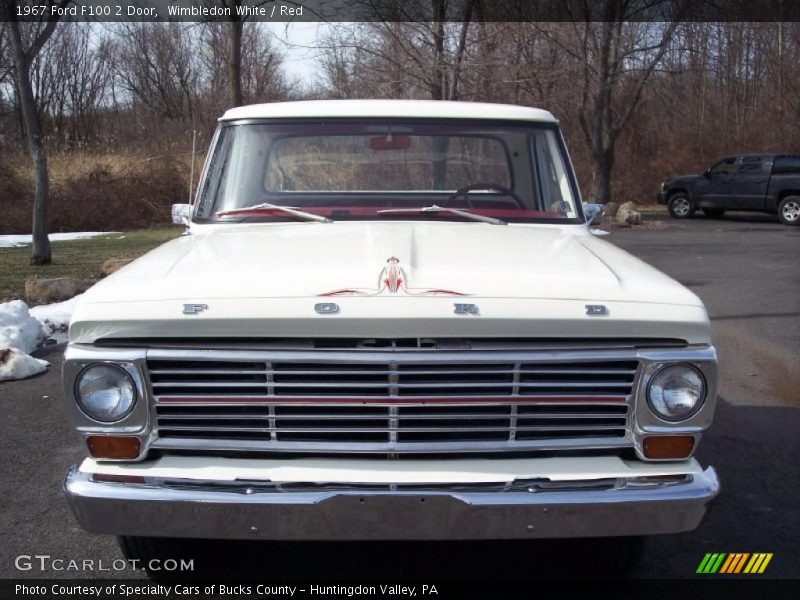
<point>156,66</point>
<point>235,26</point>
<point>261,78</point>
<point>26,45</point>
<point>70,78</point>
<point>397,56</point>
<point>6,72</point>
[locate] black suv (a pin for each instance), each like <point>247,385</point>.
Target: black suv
<point>758,182</point>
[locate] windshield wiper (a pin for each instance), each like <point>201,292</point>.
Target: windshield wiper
<point>266,208</point>
<point>442,209</point>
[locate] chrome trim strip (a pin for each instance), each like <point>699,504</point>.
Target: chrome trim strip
<point>382,385</point>
<point>391,415</point>
<point>455,447</point>
<point>480,357</point>
<point>439,400</point>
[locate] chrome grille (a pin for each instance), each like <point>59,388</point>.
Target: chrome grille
<point>392,404</point>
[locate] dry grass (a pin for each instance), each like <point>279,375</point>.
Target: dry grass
<point>90,191</point>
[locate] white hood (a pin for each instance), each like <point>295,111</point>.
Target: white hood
<point>277,272</point>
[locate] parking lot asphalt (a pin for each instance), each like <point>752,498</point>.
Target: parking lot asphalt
<point>747,271</point>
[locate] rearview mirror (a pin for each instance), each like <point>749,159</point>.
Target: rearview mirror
<point>592,211</point>
<point>181,214</point>
<point>390,142</point>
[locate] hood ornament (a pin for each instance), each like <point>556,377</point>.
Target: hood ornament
<point>392,277</point>
<point>393,280</point>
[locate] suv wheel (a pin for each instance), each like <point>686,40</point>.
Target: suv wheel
<point>789,210</point>
<point>714,213</point>
<point>680,207</point>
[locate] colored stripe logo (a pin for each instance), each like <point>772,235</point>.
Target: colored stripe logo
<point>734,563</point>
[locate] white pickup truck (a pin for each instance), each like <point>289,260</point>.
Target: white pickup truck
<point>388,320</point>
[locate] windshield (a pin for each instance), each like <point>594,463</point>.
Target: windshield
<point>358,170</point>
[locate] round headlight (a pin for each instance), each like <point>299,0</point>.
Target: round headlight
<point>676,392</point>
<point>105,393</point>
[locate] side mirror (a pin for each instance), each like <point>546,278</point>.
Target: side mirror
<point>592,211</point>
<point>181,214</point>
<point>707,173</point>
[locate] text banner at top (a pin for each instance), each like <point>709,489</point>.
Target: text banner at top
<point>287,11</point>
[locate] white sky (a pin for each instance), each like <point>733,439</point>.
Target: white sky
<point>296,41</point>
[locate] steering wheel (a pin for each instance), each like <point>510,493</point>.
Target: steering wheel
<point>464,192</point>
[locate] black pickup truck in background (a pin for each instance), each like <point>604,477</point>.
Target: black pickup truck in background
<point>767,183</point>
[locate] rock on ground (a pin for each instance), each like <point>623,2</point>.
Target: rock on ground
<point>629,217</point>
<point>46,291</point>
<point>628,206</point>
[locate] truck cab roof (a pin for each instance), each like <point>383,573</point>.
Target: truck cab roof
<point>402,109</point>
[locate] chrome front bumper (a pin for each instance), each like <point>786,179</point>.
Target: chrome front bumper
<point>236,510</point>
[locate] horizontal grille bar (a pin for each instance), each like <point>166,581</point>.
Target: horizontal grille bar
<point>165,419</point>
<point>541,399</point>
<point>411,386</point>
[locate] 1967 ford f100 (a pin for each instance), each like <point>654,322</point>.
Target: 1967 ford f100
<point>388,320</point>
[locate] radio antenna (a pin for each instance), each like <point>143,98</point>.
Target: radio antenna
<point>191,170</point>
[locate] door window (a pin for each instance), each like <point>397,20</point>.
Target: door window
<point>724,167</point>
<point>754,165</point>
<point>786,164</point>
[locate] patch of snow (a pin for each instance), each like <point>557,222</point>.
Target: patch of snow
<point>55,317</point>
<point>599,232</point>
<point>20,333</point>
<point>16,364</point>
<point>18,329</point>
<point>12,241</point>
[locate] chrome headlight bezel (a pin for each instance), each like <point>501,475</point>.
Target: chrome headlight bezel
<point>697,406</point>
<point>125,378</point>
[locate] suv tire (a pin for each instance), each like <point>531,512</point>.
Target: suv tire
<point>789,210</point>
<point>679,206</point>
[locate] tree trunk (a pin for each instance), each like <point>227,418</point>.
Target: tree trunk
<point>603,137</point>
<point>437,84</point>
<point>33,131</point>
<point>235,59</point>
<point>602,167</point>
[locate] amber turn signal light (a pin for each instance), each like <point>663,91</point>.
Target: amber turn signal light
<point>668,446</point>
<point>113,446</point>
